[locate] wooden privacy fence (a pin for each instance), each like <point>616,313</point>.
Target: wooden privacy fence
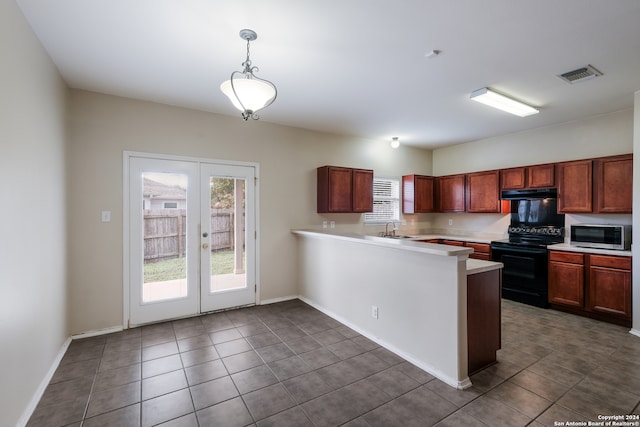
<point>165,232</point>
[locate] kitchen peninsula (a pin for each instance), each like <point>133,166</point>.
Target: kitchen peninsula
<point>428,303</point>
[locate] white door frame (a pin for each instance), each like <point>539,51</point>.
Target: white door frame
<point>126,252</point>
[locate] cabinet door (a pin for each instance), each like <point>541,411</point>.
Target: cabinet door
<point>566,284</point>
<point>541,176</point>
<point>451,194</point>
<point>362,190</point>
<point>575,182</point>
<point>334,189</point>
<point>424,186</point>
<point>513,179</point>
<point>418,194</point>
<point>614,182</point>
<point>483,192</point>
<point>610,291</point>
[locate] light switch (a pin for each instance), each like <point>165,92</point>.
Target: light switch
<point>106,216</point>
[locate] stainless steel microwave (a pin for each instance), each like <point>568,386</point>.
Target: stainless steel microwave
<point>607,236</point>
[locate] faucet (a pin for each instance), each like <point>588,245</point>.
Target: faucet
<point>393,230</point>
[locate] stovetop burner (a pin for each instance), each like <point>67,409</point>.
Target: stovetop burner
<point>539,236</point>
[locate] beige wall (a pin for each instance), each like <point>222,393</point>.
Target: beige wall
<point>33,301</point>
<point>102,127</point>
<point>597,136</point>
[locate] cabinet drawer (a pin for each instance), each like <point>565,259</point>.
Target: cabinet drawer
<point>623,263</point>
<point>478,247</point>
<point>570,257</point>
<point>452,242</point>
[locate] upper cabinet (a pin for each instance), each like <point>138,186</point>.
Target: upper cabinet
<point>538,176</point>
<point>613,184</point>
<point>344,190</point>
<point>451,193</point>
<point>418,194</point>
<point>483,192</point>
<point>601,185</point>
<point>575,186</point>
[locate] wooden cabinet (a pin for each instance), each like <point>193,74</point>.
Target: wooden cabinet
<point>483,192</point>
<point>451,193</point>
<point>452,242</point>
<point>483,319</point>
<point>342,190</point>
<point>613,181</point>
<point>480,250</point>
<point>575,186</point>
<point>513,178</point>
<point>597,286</point>
<point>537,176</point>
<point>610,285</point>
<point>362,196</point>
<point>541,176</point>
<point>566,278</point>
<point>418,194</point>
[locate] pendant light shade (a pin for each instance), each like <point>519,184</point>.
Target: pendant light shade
<point>249,93</point>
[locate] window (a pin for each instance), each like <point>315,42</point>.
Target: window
<point>386,201</point>
<point>170,205</point>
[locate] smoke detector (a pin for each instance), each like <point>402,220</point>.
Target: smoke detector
<point>580,74</point>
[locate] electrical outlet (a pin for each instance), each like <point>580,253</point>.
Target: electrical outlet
<point>450,221</point>
<point>105,216</point>
<point>332,224</point>
<point>374,311</point>
<point>324,224</point>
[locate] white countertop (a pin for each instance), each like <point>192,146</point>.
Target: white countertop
<point>403,244</point>
<point>475,266</point>
<point>413,244</point>
<point>567,247</point>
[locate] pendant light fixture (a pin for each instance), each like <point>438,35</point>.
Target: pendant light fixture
<point>395,142</point>
<point>249,93</point>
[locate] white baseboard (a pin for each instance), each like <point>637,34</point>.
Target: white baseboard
<point>97,332</point>
<point>33,403</point>
<point>461,385</point>
<point>635,332</point>
<point>276,300</point>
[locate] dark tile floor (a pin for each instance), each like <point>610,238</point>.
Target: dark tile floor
<point>288,364</point>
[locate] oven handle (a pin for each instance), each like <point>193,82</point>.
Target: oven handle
<point>519,249</point>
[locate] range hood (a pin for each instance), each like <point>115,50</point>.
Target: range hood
<point>529,194</point>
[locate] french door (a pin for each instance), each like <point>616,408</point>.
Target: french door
<point>191,240</point>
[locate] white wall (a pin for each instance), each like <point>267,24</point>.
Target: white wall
<point>102,127</point>
<point>598,136</point>
<point>33,302</point>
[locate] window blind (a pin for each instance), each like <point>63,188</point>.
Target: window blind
<point>386,201</point>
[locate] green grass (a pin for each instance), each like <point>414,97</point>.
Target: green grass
<point>171,269</point>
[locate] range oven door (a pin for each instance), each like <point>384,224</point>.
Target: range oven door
<point>525,272</point>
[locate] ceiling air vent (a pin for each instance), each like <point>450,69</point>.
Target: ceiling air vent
<point>581,74</point>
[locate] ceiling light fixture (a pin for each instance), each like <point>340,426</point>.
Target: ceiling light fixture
<point>494,99</point>
<point>395,142</point>
<point>249,93</point>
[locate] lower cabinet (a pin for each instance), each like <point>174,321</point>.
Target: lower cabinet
<point>480,250</point>
<point>483,319</point>
<point>597,286</point>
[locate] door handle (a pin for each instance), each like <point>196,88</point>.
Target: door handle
<point>205,245</point>
<point>205,234</point>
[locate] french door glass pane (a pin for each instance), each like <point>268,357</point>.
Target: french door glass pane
<point>164,238</point>
<point>227,237</point>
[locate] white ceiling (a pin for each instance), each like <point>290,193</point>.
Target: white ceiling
<point>355,67</point>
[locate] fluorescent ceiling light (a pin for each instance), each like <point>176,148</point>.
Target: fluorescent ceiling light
<point>488,97</point>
